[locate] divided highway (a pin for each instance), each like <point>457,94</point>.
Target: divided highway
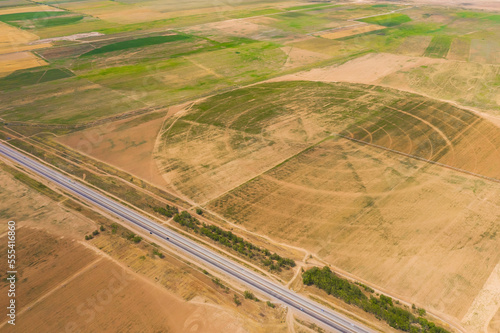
<point>333,320</point>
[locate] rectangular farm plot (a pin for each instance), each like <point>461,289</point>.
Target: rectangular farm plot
<point>65,101</point>
<point>354,206</point>
<point>13,39</point>
<point>351,31</point>
<point>27,9</point>
<point>459,49</point>
<point>388,20</point>
<point>55,260</point>
<point>414,46</point>
<point>439,47</point>
<point>485,51</point>
<point>21,60</point>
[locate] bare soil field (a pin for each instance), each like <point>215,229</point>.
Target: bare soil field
<point>485,306</point>
<point>239,28</point>
<point>46,262</point>
<point>32,209</point>
<point>95,283</point>
<point>353,206</point>
<point>414,46</point>
<point>366,69</point>
<point>299,57</point>
<point>99,298</point>
<point>494,325</point>
<point>21,60</point>
<point>459,50</point>
<point>126,144</point>
<point>485,51</point>
<point>351,31</point>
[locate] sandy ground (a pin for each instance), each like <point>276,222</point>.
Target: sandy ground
<point>367,69</point>
<point>97,300</point>
<point>14,40</point>
<point>494,325</point>
<point>486,304</point>
<point>300,57</point>
<point>77,287</point>
<point>20,60</point>
<point>122,145</point>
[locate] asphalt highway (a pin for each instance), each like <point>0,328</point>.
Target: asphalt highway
<point>336,322</point>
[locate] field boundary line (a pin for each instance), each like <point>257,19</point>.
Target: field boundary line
<point>56,288</point>
<point>203,204</point>
<point>420,158</point>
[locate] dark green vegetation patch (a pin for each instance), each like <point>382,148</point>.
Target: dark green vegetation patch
<point>439,47</point>
<point>23,78</point>
<point>313,6</point>
<point>271,260</point>
<point>56,21</point>
<point>134,43</point>
<point>388,20</point>
<point>30,16</point>
<point>36,20</point>
<point>381,306</point>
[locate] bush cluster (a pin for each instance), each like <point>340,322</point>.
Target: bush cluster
<point>382,307</point>
<point>168,211</point>
<point>271,260</point>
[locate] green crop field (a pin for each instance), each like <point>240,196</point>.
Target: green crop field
<point>24,78</point>
<point>389,20</point>
<point>439,47</point>
<point>136,43</point>
<point>30,16</point>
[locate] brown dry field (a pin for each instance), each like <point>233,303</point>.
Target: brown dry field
<point>236,27</point>
<point>353,205</point>
<point>126,144</point>
<point>459,50</point>
<point>467,84</point>
<point>15,40</point>
<point>31,209</point>
<point>20,60</point>
<point>414,46</point>
<point>351,31</point>
<point>485,51</point>
<point>44,261</point>
<point>494,325</point>
<point>28,9</point>
<point>88,286</point>
<point>367,69</point>
<point>115,12</point>
<point>299,57</point>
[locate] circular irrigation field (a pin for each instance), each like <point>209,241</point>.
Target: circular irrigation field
<point>230,138</point>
